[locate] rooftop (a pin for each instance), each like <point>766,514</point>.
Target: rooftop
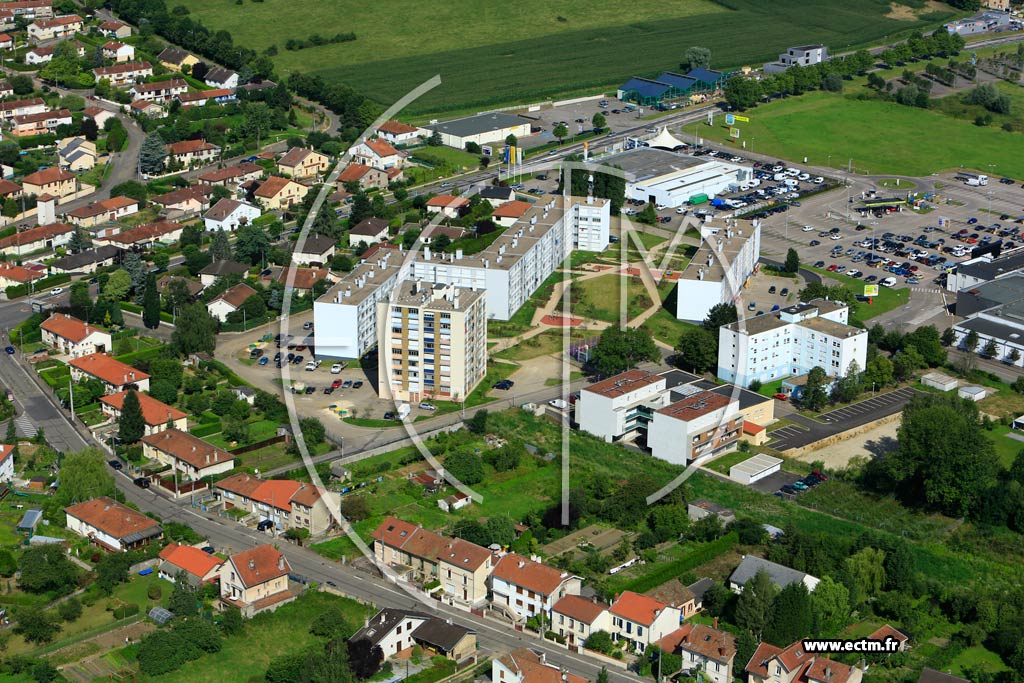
<point>520,571</point>
<point>781,575</point>
<point>154,412</point>
<point>726,246</point>
<point>108,369</point>
<point>433,297</point>
<point>647,163</point>
<point>259,565</point>
<point>579,608</point>
<point>697,405</point>
<point>187,448</point>
<point>236,296</point>
<point>639,609</point>
<point>481,123</point>
<point>624,383</point>
<point>115,520</point>
<point>189,559</point>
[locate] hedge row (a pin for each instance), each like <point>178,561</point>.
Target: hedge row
<point>206,429</point>
<point>17,291</point>
<point>675,569</point>
<point>149,354</point>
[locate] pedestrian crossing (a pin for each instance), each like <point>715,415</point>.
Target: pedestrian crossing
<point>24,427</point>
<point>926,290</point>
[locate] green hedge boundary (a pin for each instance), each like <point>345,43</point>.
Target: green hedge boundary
<point>672,570</point>
<point>18,291</point>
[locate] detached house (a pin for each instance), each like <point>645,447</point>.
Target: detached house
<point>192,152</point>
<point>703,648</point>
<point>303,279</point>
<point>523,588</point>
<point>164,91</point>
<point>87,261</point>
<point>229,301</point>
<point>176,59</point>
<point>193,564</point>
<point>52,181</point>
<point>6,43</point>
<point>398,133</point>
<point>118,51</point>
<point>70,336</point>
<point>203,97</point>
<point>33,105</point>
<point>279,193</point>
<point>157,415</point>
<point>185,201</point>
<point>105,211</point>
<point>447,205</point>
<point>219,77</point>
<point>76,153</point>
<point>529,666</point>
<point>397,631</point>
<point>188,455</point>
<point>315,250</point>
<point>144,235</point>
<point>114,374</point>
<point>11,275</point>
<point>124,74</point>
<point>232,176</point>
<point>37,239</point>
<point>112,526</point>
<point>640,620</point>
<point>229,214</point>
<point>6,462</point>
<point>780,575</point>
<point>40,124</point>
<point>115,29</point>
<point>285,503</point>
<point>209,274</point>
<point>39,55</point>
<point>771,664</point>
<point>368,177</point>
<point>378,153</point>
<point>255,581</point>
<point>301,163</point>
<point>55,28</point>
<point>369,230</point>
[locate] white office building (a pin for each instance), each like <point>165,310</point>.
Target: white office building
<point>718,271</point>
<point>622,405</point>
<point>670,179</point>
<point>790,342</point>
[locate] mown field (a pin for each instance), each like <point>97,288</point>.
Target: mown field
<point>496,53</point>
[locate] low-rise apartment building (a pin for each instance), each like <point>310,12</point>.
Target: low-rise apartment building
<point>162,91</point>
<point>189,456</point>
<point>703,648</point>
<point>40,124</point>
<point>105,211</point>
<point>32,105</point>
<point>192,152</point>
<point>72,337</point>
<point>115,375</point>
<point>639,620</point>
<point>120,75</point>
<point>287,504</point>
<point>56,28</point>
<point>523,588</point>
<point>39,238</point>
<point>705,424</point>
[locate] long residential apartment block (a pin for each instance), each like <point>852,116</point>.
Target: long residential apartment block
<point>718,271</point>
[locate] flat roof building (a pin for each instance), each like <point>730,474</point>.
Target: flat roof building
<point>483,129</point>
<point>718,271</point>
<point>670,179</point>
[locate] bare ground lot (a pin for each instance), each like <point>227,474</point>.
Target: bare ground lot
<point>871,443</point>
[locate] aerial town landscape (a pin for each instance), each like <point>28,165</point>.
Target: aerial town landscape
<point>578,343</point>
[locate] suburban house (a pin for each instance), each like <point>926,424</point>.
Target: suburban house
<point>162,91</point>
<point>771,664</point>
<point>368,230</point>
<point>163,285</point>
<point>780,575</point>
<point>508,213</point>
<point>228,214</point>
<point>433,231</point>
<point>103,212</point>
<point>524,588</point>
<point>192,152</point>
<point>301,163</point>
<point>32,105</point>
<point>98,115</point>
<point>193,564</point>
<point>447,205</point>
<point>118,51</point>
<point>6,462</point>
<point>29,9</point>
<point>575,618</point>
<point>703,648</point>
<point>202,97</point>
<point>277,193</point>
<point>76,153</point>
<point>209,274</point>
<point>157,415</point>
<point>11,275</point>
<point>115,29</point>
<point>53,29</point>
<point>887,632</point>
<point>232,176</point>
<point>150,109</point>
<point>117,376</point>
<point>40,124</point>
<point>87,261</point>
<point>377,153</point>
<point>229,301</point>
<point>120,75</point>
<point>529,666</point>
<point>459,566</point>
<point>9,189</point>
<point>699,509</point>
<point>53,181</point>
<point>287,504</point>
<point>176,59</point>
<point>640,620</point>
<point>144,235</point>
<point>314,250</point>
<point>398,133</point>
<point>368,177</point>
<point>37,239</point>
<point>70,336</point>
<point>6,43</point>
<point>303,279</point>
<point>497,195</point>
<point>929,675</point>
<point>397,631</point>
<point>185,201</point>
<point>256,580</point>
<point>187,455</point>
<point>112,526</point>
<point>219,77</point>
<point>39,55</point>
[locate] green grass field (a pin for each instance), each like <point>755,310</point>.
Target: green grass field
<point>491,53</point>
<point>600,297</point>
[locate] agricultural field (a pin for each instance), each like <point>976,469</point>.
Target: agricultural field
<point>532,50</point>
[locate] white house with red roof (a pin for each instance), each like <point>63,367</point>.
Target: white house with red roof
<point>619,406</point>
<point>287,504</point>
<point>196,566</point>
<point>529,666</point>
<point>189,456</point>
<point>70,336</point>
<point>377,153</point>
<point>156,414</point>
<point>640,620</point>
<point>771,664</point>
<point>256,580</point>
<point>117,376</point>
<point>6,462</point>
<point>524,588</point>
<point>398,133</point>
<point>575,618</point>
<point>447,205</point>
<point>118,51</point>
<point>192,152</point>
<point>12,275</point>
<point>703,648</point>
<point>509,212</point>
<point>229,301</point>
<point>228,214</point>
<point>111,525</point>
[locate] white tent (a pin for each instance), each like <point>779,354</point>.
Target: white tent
<point>665,140</point>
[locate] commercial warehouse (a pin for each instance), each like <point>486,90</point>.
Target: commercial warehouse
<point>670,179</point>
<point>483,129</point>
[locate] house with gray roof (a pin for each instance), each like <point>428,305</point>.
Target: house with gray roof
<point>395,631</point>
<point>780,575</point>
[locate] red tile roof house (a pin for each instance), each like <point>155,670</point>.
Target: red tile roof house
<point>190,562</point>
<point>705,648</point>
<point>53,181</point>
<point>509,212</point>
<point>185,201</point>
<point>40,124</point>
<point>143,235</point>
<point>187,454</point>
<point>255,581</point>
<point>771,664</point>
<point>368,177</point>
<point>529,666</point>
<point>288,504</point>
<point>303,279</point>
<point>640,620</point>
<point>232,176</point>
<point>12,275</point>
<point>886,632</point>
<point>398,133</point>
<point>32,105</point>
<point>163,91</point>
<point>70,336</point>
<point>115,29</point>
<point>36,239</point>
<point>229,301</point>
<point>6,43</point>
<point>124,74</point>
<point>523,588</point>
<point>156,414</point>
<point>192,152</point>
<point>112,526</point>
<point>379,154</point>
<point>117,376</point>
<point>447,205</point>
<point>104,211</point>
<point>575,618</point>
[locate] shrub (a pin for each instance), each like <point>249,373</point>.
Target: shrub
<point>128,609</point>
<point>154,592</point>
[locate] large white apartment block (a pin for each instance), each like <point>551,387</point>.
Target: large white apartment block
<point>704,424</point>
<point>510,270</point>
<point>791,342</point>
<point>433,342</point>
<point>718,271</point>
<point>619,406</point>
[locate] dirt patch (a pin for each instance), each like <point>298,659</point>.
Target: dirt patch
<point>601,538</point>
<point>721,567</point>
<point>872,442</point>
<point>672,592</point>
<point>903,13</point>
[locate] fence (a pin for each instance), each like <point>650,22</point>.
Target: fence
<point>242,450</point>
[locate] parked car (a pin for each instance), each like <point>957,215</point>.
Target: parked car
<point>264,360</point>
<point>781,396</point>
<point>347,384</point>
<point>336,368</point>
<point>10,350</point>
<point>427,406</point>
<point>357,384</point>
<point>116,464</point>
<point>504,384</point>
<point>558,403</point>
<point>141,482</point>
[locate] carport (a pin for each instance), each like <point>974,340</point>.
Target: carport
<point>754,469</point>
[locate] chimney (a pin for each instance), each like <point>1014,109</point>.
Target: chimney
<point>207,458</point>
<point>280,563</point>
<point>252,564</point>
<point>714,624</point>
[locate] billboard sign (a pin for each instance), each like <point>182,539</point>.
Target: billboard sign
<point>734,132</point>
<point>730,120</point>
<point>870,290</point>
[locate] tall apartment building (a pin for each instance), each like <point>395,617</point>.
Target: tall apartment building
<point>510,270</point>
<point>433,342</point>
<point>790,342</point>
<point>717,272</point>
<point>702,424</point>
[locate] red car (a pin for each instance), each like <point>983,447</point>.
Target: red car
<point>336,383</point>
<point>780,396</point>
<point>832,268</point>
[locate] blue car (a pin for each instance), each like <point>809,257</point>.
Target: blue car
<point>775,308</point>
<point>10,350</point>
<point>264,360</point>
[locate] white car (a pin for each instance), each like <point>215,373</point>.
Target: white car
<point>56,291</point>
<point>336,369</point>
<point>804,177</point>
<point>835,236</point>
<point>311,366</point>
<point>660,207</point>
<point>819,180</point>
<point>888,282</point>
<point>681,211</point>
<point>754,182</point>
<point>427,406</point>
<point>777,169</point>
<point>807,228</point>
<point>558,403</point>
